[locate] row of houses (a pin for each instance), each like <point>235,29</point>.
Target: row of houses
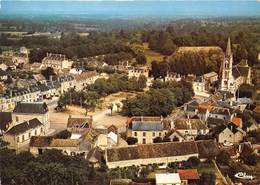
<point>47,89</point>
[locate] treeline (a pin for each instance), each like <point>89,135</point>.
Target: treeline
<point>117,83</point>
<point>52,167</point>
<point>72,45</point>
<point>197,63</point>
<point>244,36</point>
<point>160,100</point>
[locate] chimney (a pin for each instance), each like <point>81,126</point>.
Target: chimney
<point>91,121</point>
<point>118,136</point>
<point>50,78</point>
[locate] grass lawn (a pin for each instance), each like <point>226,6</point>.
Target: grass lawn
<point>150,54</point>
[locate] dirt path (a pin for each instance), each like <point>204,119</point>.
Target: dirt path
<point>101,116</point>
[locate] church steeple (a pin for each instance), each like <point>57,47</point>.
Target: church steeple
<point>227,81</point>
<point>228,49</point>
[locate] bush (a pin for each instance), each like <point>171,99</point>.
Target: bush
<point>131,140</point>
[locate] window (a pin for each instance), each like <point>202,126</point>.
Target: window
<point>35,133</point>
<point>41,130</point>
<point>135,133</point>
<point>144,134</point>
<point>18,139</point>
<point>22,138</point>
<point>153,134</point>
<point>144,141</point>
<point>29,134</point>
<point>160,134</point>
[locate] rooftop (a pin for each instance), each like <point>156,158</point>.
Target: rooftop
<point>45,141</point>
<point>33,108</point>
<point>23,127</point>
<point>167,178</point>
<point>151,151</point>
<point>188,174</point>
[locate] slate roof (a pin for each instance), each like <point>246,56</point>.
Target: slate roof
<point>238,71</point>
<point>151,151</point>
<point>23,127</point>
<point>147,126</point>
<point>5,118</point>
<point>33,108</point>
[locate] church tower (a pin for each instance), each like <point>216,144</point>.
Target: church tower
<point>227,81</point>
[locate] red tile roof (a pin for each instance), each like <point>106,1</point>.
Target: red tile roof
<point>188,174</point>
<point>237,121</point>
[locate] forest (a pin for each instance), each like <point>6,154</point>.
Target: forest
<point>117,44</point>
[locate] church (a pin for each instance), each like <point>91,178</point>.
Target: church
<point>233,76</point>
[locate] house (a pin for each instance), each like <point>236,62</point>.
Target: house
<point>215,122</point>
<point>20,134</point>
<point>170,76</point>
<point>237,121</point>
<point>188,176</point>
<point>150,154</point>
<point>11,98</point>
<point>70,147</point>
<point>220,113</point>
<point>56,61</point>
<point>191,108</point>
<point>3,75</point>
<point>6,63</point>
<point>50,89</point>
<point>66,82</point>
<point>146,129</point>
<point>79,124</point>
<point>3,66</point>
<point>5,121</point>
<point>20,58</point>
<point>27,111</point>
<point>95,157</point>
<point>210,80</point>
<point>167,179</point>
<point>138,71</point>
<point>199,87</point>
<point>229,133</point>
<point>112,128</point>
<point>84,79</point>
<point>190,128</point>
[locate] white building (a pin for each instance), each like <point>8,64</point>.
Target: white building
<point>56,61</point>
<point>138,71</point>
<point>167,179</point>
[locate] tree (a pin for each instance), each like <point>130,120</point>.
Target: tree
<point>118,105</point>
<point>141,59</point>
<point>49,71</point>
<point>208,178</point>
<point>193,161</point>
<point>110,107</point>
<point>157,140</point>
<point>131,140</point>
<point>223,157</point>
